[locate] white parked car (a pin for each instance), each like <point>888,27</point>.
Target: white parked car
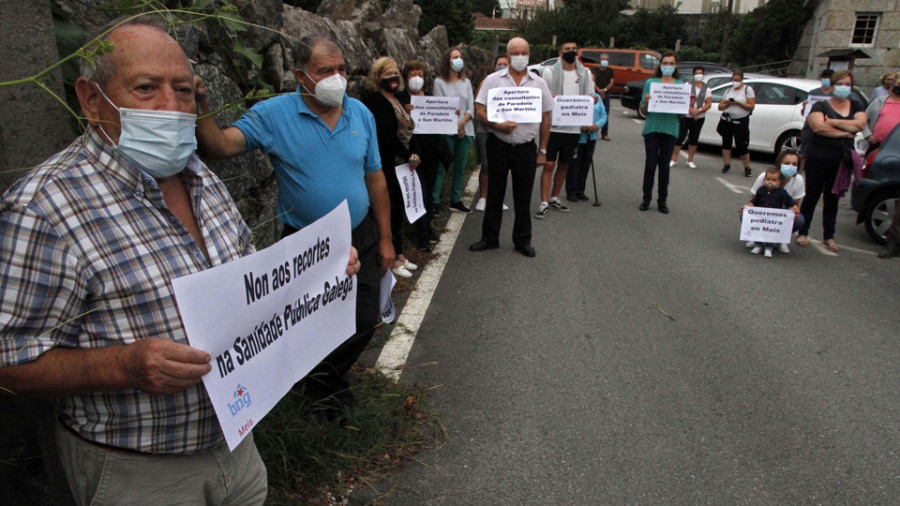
<point>776,121</point>
<point>539,67</point>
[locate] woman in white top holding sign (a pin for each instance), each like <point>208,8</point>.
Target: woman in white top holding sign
<point>692,122</point>
<point>452,81</point>
<point>736,106</point>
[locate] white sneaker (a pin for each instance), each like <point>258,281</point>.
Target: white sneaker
<point>768,253</point>
<point>505,207</point>
<point>409,265</point>
<point>783,248</point>
<point>756,250</point>
<point>750,244</point>
<point>479,206</point>
<point>692,165</point>
<point>673,163</point>
<point>401,272</point>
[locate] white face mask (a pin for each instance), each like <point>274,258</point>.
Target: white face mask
<point>330,91</point>
<point>457,64</point>
<point>519,62</point>
<point>159,142</point>
<point>416,83</point>
<point>698,77</point>
<point>736,84</point>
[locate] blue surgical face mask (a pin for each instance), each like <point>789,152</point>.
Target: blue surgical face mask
<point>826,82</point>
<point>159,142</point>
<point>667,70</point>
<point>457,64</point>
<point>788,171</point>
<point>841,91</point>
<point>498,68</point>
<point>604,63</point>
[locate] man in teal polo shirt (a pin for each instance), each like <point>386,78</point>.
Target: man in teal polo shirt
<point>324,148</point>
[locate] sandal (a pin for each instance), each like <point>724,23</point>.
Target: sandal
<point>802,240</point>
<point>830,245</point>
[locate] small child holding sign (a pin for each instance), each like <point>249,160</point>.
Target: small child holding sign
<point>771,195</point>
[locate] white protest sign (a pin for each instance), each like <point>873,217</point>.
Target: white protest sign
<point>573,110</point>
<point>435,115</point>
<point>811,100</point>
<point>267,319</point>
<point>522,105</point>
<point>387,304</point>
<point>412,192</point>
<point>766,224</point>
<point>671,98</point>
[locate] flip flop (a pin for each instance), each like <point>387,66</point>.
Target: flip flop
<point>831,246</point>
<point>802,240</point>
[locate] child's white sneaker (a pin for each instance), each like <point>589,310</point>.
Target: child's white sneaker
<point>768,253</point>
<point>783,248</point>
<point>756,250</point>
<point>750,244</point>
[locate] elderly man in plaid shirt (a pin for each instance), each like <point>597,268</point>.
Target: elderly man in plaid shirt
<point>89,243</point>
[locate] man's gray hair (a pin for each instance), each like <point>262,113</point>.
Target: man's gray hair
<point>99,68</point>
<point>304,47</point>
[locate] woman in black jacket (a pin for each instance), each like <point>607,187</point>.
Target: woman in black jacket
<point>394,127</point>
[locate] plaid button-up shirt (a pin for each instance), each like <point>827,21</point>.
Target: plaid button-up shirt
<point>88,250</point>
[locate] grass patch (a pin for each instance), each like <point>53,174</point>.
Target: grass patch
<point>312,459</point>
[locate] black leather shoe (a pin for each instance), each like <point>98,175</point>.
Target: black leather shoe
<point>571,197</point>
<point>581,196</point>
<point>662,207</point>
<point>644,206</point>
<point>482,246</point>
<point>526,250</point>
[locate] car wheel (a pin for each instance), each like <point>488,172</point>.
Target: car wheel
<point>879,213</point>
<point>640,113</point>
<point>789,139</point>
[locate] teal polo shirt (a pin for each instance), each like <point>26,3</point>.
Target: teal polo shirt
<point>316,168</point>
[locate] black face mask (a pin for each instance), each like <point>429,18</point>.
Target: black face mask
<point>569,56</point>
<point>895,90</point>
<point>390,83</point>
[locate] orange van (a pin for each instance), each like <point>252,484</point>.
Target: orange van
<point>629,64</point>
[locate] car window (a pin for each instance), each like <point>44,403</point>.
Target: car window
<point>648,61</point>
<point>718,93</point>
<point>591,56</point>
<point>620,59</point>
<point>715,81</point>
<point>549,63</point>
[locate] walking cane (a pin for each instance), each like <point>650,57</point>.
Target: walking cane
<point>594,178</point>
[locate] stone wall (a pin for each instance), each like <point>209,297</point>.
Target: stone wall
<point>360,27</point>
<point>832,27</point>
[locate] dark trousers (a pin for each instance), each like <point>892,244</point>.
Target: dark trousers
<point>604,130</point>
<point>658,148</point>
<point>579,167</point>
<point>521,161</point>
<point>427,172</point>
<point>398,212</point>
<point>327,377</point>
<point>820,176</point>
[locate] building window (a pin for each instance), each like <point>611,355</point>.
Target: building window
<point>864,30</point>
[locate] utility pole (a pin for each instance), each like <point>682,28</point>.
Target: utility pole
<point>726,32</point>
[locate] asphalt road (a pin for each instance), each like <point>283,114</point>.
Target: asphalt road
<point>644,358</point>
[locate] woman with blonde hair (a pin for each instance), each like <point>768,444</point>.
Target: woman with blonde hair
<point>395,128</point>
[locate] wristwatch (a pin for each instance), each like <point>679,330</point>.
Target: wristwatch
<point>542,151</point>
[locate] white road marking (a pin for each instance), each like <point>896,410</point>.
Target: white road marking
<point>734,187</point>
<point>396,350</point>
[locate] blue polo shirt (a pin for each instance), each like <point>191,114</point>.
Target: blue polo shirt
<point>316,167</point>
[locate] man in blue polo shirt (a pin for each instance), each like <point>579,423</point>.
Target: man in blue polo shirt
<point>324,148</point>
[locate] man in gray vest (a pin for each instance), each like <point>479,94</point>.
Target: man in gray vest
<point>567,77</point>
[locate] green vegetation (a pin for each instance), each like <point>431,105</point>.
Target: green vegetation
<point>721,37</point>
<point>315,453</point>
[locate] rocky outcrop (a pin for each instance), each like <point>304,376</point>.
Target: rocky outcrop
<point>360,27</point>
